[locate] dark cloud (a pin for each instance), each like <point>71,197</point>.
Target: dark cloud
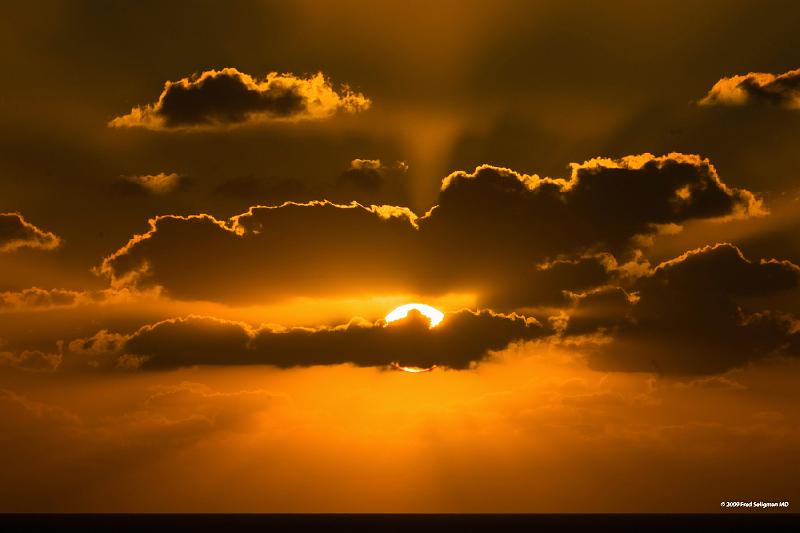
<point>16,232</point>
<point>220,98</point>
<point>688,315</point>
<point>460,340</point>
<point>491,233</point>
<point>756,88</point>
<point>602,206</point>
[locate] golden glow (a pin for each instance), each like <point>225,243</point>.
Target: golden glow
<point>433,314</point>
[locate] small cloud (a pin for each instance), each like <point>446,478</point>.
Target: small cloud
<point>31,360</point>
<point>16,233</point>
<point>37,299</point>
<point>372,181</point>
<point>365,164</point>
<point>227,97</point>
<point>158,184</point>
<point>782,90</point>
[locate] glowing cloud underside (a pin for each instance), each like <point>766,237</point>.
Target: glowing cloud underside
<point>433,314</point>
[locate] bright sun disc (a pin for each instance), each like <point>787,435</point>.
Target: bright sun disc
<point>433,314</point>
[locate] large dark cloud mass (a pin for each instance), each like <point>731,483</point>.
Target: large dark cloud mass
<point>510,237</point>
<point>461,339</point>
<point>218,98</point>
<point>757,88</point>
<point>16,232</point>
<point>689,315</point>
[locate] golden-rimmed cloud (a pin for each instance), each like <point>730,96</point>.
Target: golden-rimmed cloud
<point>462,339</point>
<point>228,97</point>
<point>16,233</point>
<point>756,88</point>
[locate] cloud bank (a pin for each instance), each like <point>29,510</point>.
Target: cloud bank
<point>490,232</point>
<point>462,339</point>
<point>690,315</point>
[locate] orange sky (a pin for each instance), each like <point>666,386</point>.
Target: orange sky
<point>207,211</point>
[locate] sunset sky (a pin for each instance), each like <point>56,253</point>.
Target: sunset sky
<point>208,210</point>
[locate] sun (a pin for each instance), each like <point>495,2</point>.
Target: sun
<point>433,314</point>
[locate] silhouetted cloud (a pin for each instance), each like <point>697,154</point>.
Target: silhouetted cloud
<point>16,232</point>
<point>688,316</point>
<point>756,88</point>
<point>460,340</point>
<point>487,234</point>
<point>227,97</point>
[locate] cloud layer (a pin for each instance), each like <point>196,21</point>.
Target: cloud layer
<point>227,97</point>
<point>490,232</point>
<point>756,88</point>
<point>16,233</point>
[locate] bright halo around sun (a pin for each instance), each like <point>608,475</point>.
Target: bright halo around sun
<point>433,314</point>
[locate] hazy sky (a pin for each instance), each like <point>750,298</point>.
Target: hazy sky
<point>208,208</point>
